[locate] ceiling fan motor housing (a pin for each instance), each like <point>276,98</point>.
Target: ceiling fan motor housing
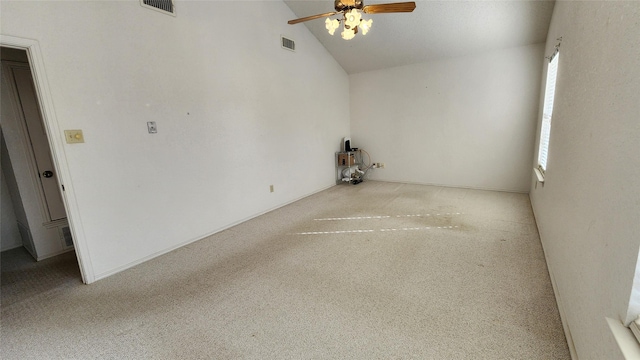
<point>342,5</point>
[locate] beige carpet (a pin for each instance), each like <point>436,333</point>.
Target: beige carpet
<point>372,271</point>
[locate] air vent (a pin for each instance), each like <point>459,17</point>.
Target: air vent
<point>66,235</point>
<point>165,6</point>
<point>288,44</point>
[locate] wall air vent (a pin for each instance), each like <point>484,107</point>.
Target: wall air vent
<point>288,44</point>
<point>164,6</point>
<point>66,236</point>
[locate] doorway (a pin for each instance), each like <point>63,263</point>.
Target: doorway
<point>34,215</point>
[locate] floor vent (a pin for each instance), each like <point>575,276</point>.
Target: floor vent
<point>66,235</point>
<point>165,6</point>
<point>288,44</point>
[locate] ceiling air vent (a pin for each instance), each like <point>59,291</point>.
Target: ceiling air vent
<point>165,6</point>
<point>288,44</point>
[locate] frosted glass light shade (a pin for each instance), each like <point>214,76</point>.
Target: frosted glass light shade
<point>331,25</point>
<point>348,34</point>
<point>352,18</point>
<point>365,26</point>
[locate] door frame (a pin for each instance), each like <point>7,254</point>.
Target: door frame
<point>7,68</point>
<point>56,146</point>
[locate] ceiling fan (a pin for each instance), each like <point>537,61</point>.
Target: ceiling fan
<point>352,18</point>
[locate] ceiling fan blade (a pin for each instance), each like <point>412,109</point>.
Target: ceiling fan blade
<point>296,21</point>
<point>390,8</point>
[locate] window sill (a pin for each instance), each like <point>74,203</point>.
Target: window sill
<point>539,175</point>
<point>627,342</point>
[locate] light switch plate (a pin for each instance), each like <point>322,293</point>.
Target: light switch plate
<point>151,126</point>
<point>74,136</point>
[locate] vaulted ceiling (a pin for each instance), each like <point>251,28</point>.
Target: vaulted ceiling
<point>434,30</point>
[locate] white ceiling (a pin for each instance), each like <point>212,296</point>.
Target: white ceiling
<point>434,30</point>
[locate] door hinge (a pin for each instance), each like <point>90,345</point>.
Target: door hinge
<point>62,187</point>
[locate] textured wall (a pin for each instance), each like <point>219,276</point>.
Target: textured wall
<point>587,211</point>
<point>235,113</point>
<point>465,122</point>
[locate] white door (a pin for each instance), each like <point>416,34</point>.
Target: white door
<point>22,82</point>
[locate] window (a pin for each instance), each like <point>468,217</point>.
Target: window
<point>633,311</point>
<point>549,94</point>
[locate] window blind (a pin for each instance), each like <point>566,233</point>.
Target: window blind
<point>549,95</point>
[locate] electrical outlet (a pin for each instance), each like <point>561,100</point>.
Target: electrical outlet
<point>381,165</point>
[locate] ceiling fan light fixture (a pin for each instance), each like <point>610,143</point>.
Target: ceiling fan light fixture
<point>351,11</point>
<point>348,34</point>
<point>365,25</point>
<point>332,25</point>
<point>352,23</point>
<point>352,18</point>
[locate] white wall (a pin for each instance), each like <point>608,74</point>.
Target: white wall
<point>588,210</point>
<point>235,114</point>
<point>466,122</point>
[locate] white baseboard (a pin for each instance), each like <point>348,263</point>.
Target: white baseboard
<point>452,186</point>
<point>556,292</point>
<point>40,258</point>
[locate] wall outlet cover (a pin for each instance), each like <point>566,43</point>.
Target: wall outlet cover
<point>151,126</point>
